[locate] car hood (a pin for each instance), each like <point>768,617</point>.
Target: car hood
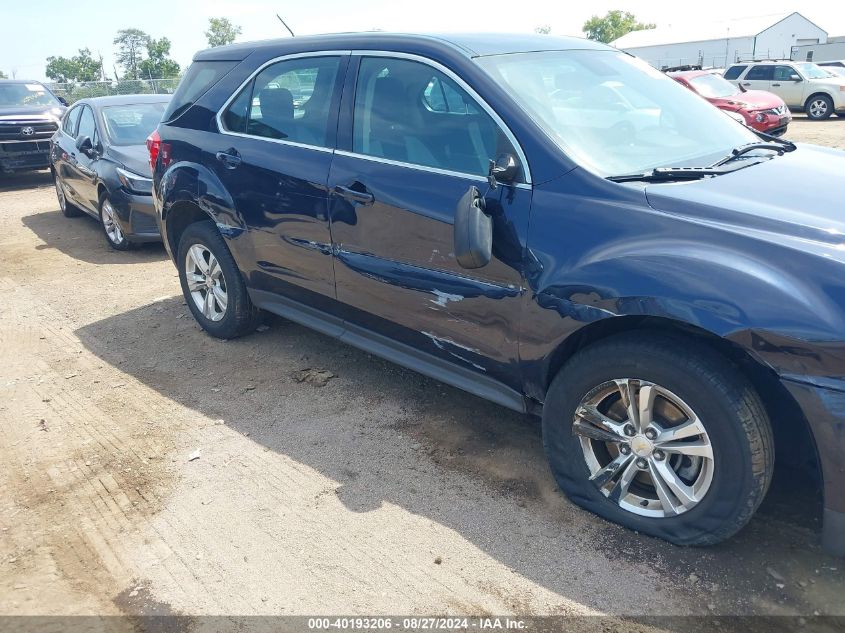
<point>793,199</point>
<point>752,100</point>
<point>135,158</point>
<point>27,111</point>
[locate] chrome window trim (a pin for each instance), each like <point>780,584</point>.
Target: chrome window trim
<point>379,53</point>
<point>472,93</point>
<point>433,170</point>
<point>253,75</point>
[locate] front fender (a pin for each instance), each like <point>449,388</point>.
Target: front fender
<point>596,256</point>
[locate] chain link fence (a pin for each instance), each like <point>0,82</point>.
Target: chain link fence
<point>82,90</point>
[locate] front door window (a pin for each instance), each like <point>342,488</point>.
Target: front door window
<point>409,112</point>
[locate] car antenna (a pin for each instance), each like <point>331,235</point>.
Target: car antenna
<point>286,25</point>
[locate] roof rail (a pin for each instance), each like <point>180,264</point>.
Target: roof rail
<point>674,69</point>
<point>767,59</point>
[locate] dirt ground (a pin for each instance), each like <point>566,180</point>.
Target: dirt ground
<point>149,468</point>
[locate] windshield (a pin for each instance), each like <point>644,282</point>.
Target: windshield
<point>811,71</point>
<point>132,123</point>
<point>613,113</point>
<point>712,86</point>
<point>23,94</point>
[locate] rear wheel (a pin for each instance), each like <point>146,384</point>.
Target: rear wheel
<point>212,284</point>
<point>661,435</point>
<point>67,209</point>
<point>819,107</point>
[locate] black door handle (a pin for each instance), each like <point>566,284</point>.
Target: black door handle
<point>775,84</point>
<point>230,158</point>
<point>364,197</point>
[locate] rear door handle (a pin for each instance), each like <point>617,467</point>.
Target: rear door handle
<point>747,83</point>
<point>775,85</point>
<point>230,158</point>
<point>364,197</point>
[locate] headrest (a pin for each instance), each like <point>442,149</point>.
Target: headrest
<point>276,103</point>
<point>389,99</point>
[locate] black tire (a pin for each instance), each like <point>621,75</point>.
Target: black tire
<point>113,232</point>
<point>816,114</point>
<point>731,411</point>
<point>239,316</point>
<point>68,210</point>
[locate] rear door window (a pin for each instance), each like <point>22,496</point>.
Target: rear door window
<point>734,71</point>
<point>290,100</point>
<point>760,73</point>
<point>198,79</point>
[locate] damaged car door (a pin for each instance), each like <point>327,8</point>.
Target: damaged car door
<point>416,141</point>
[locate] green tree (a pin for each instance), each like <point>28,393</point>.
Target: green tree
<point>3,75</point>
<point>612,26</point>
<point>81,67</point>
<point>130,49</point>
<point>158,64</point>
<point>221,32</point>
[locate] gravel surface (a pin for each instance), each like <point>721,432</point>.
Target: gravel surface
<point>148,468</point>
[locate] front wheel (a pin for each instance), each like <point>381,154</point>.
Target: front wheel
<point>111,226</point>
<point>212,284</point>
<point>819,107</point>
<point>659,434</point>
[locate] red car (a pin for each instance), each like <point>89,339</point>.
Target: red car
<point>761,110</point>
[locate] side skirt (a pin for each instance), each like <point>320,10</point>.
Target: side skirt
<point>391,350</point>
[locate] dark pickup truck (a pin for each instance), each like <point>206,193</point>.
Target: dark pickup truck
<point>29,116</point>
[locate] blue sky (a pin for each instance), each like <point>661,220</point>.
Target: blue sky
<point>33,31</point>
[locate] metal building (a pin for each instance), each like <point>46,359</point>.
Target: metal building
<point>718,44</point>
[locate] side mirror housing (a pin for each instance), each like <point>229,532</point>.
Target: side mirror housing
<point>795,77</point>
<point>84,145</point>
<point>473,231</point>
<point>503,170</point>
<point>62,100</point>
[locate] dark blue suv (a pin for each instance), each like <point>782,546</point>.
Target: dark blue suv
<point>545,222</point>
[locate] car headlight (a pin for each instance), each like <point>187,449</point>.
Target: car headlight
<point>134,182</point>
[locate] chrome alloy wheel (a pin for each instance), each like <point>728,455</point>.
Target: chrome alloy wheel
<point>110,224</point>
<point>645,448</point>
<point>206,282</point>
<point>818,108</point>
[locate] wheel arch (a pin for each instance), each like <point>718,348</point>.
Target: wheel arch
<point>818,93</point>
<point>180,216</point>
<point>790,426</point>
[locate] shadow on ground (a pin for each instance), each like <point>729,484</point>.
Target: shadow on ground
<point>341,430</point>
<point>82,238</point>
<point>21,180</point>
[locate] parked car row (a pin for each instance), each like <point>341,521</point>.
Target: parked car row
<point>804,86</point>
<point>29,116</point>
<point>758,109</point>
<point>545,222</point>
<point>101,165</point>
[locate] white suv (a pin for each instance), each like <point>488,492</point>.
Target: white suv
<point>802,85</point>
